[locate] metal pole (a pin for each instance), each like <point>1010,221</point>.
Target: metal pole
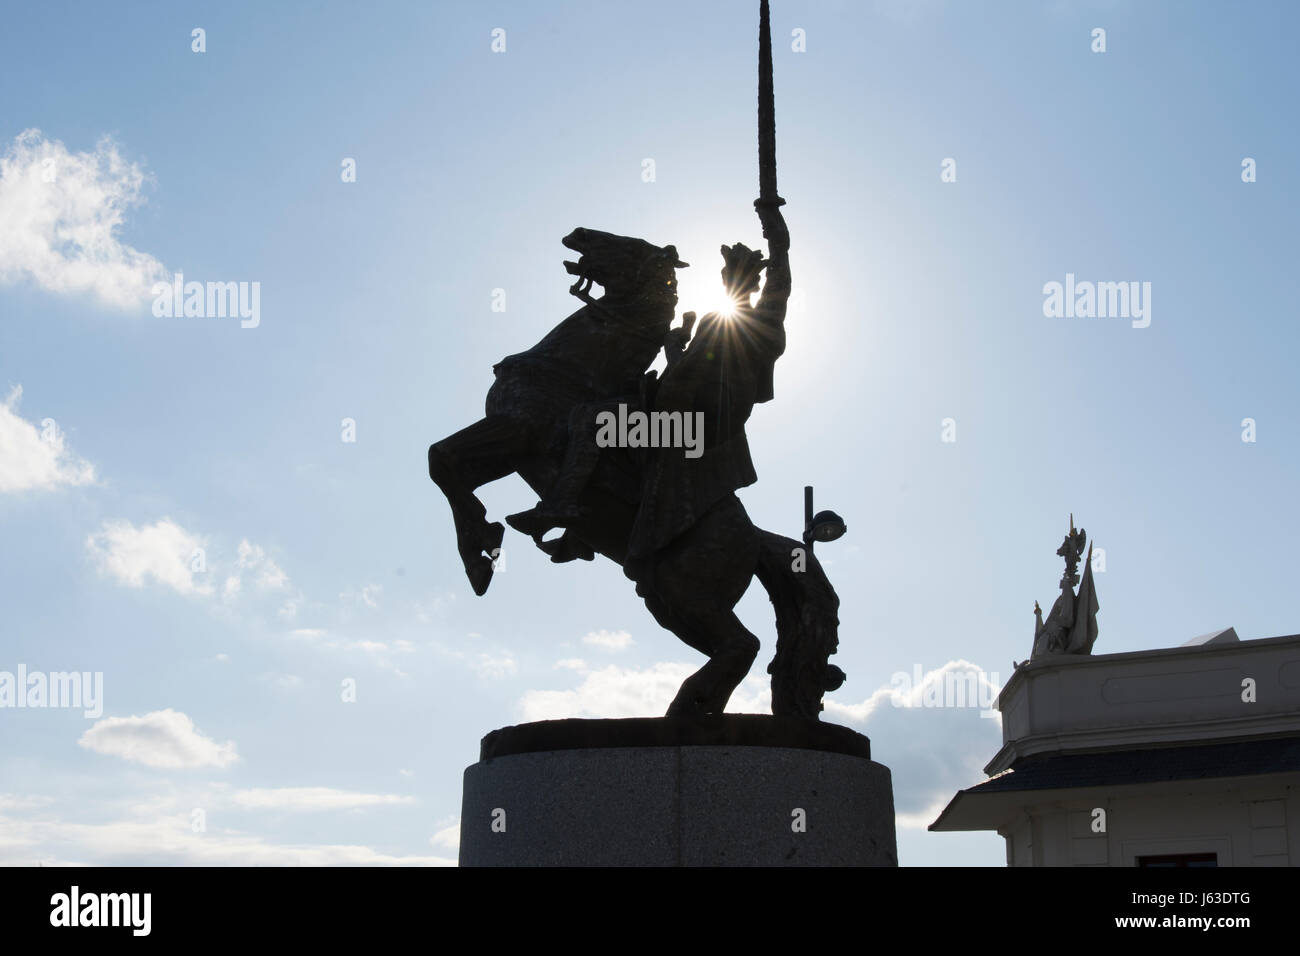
<point>807,515</point>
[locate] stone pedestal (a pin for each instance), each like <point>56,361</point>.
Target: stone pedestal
<point>740,790</point>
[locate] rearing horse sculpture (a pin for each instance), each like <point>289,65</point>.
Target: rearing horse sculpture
<point>600,351</point>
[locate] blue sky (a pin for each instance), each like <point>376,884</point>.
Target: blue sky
<point>922,301</point>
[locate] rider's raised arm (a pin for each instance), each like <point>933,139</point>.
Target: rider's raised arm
<point>677,338</point>
<point>776,282</point>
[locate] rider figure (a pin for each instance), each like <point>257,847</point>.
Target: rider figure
<point>723,372</point>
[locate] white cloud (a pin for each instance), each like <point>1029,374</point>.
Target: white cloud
<point>610,691</point>
<point>153,825</point>
<point>448,838</point>
<point>170,839</point>
<point>753,696</point>
<point>921,819</point>
<point>32,459</point>
<point>609,640</point>
<point>380,653</point>
<point>368,596</point>
<point>266,573</point>
<point>255,575</point>
<point>163,551</point>
<point>62,212</point>
<point>495,667</point>
<point>310,799</point>
<point>14,801</point>
<point>957,683</point>
<point>437,608</point>
<point>613,691</point>
<point>929,733</point>
<point>283,681</point>
<point>164,738</point>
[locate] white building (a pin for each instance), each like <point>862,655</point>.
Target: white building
<point>1184,756</point>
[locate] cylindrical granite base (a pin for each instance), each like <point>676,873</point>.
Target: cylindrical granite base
<point>786,794</point>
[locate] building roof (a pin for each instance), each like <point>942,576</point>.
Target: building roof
<point>1211,691</point>
<point>971,807</point>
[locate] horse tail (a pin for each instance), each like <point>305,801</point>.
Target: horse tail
<point>807,626</point>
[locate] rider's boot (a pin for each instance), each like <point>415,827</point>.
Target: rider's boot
<point>566,548</point>
<point>545,515</point>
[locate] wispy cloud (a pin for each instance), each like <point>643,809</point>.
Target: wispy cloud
<point>613,691</point>
<point>155,839</point>
<point>165,739</point>
<point>253,562</point>
<point>609,640</point>
<point>934,741</point>
<point>365,596</point>
<point>33,459</point>
<point>163,552</point>
<point>309,799</point>
<point>62,212</point>
<point>448,838</point>
<point>495,666</point>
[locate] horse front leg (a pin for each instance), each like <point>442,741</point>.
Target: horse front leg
<point>489,449</point>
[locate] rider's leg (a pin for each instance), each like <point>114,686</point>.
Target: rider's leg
<point>560,505</point>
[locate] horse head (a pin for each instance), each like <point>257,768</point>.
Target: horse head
<point>639,279</point>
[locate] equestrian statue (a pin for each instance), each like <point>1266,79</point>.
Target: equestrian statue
<point>667,514</point>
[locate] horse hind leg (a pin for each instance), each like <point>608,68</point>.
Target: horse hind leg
<point>692,590</point>
<point>731,649</point>
<point>459,464</point>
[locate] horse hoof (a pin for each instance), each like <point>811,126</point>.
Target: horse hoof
<point>496,533</point>
<point>480,574</point>
<point>693,709</point>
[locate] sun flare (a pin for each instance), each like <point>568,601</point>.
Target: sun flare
<point>721,305</point>
<point>728,308</point>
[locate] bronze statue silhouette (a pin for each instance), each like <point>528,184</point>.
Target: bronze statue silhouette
<point>671,521</point>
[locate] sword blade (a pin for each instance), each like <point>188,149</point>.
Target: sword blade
<point>766,111</point>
